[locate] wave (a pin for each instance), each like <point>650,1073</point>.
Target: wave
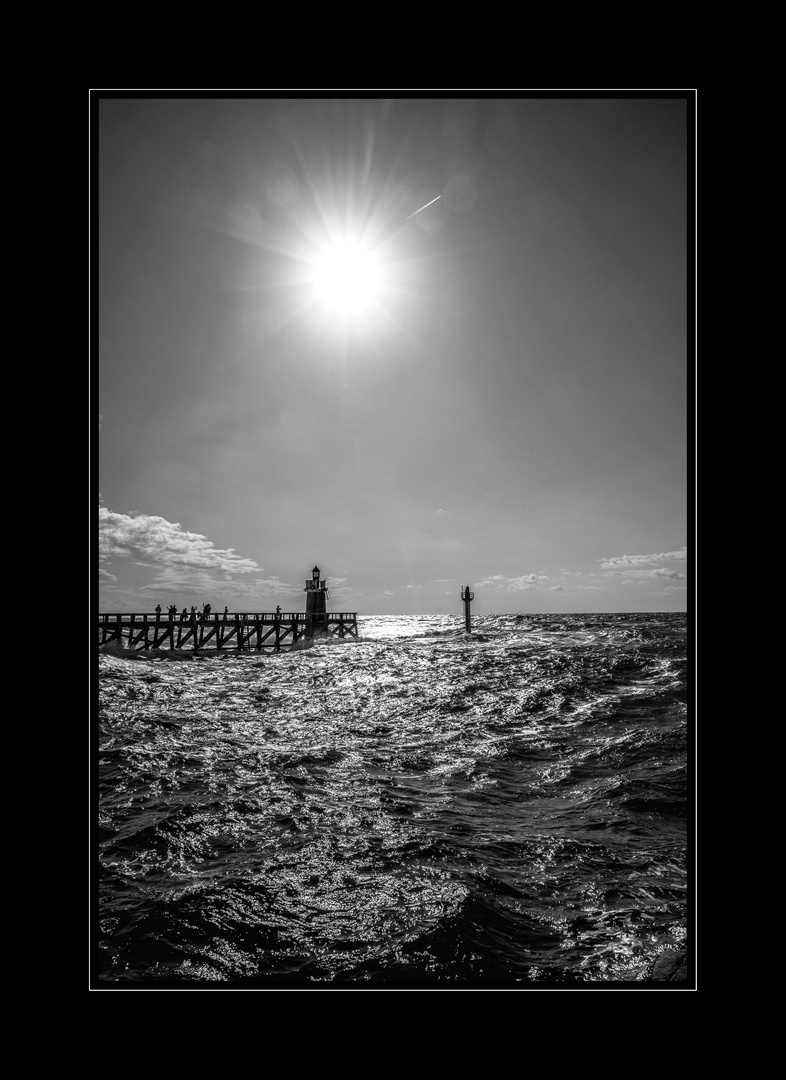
<point>420,806</point>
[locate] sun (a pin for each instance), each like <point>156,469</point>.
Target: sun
<point>348,277</point>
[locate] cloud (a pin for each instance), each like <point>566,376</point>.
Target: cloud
<point>154,541</point>
<point>526,581</point>
<point>621,562</point>
<point>640,577</point>
<point>511,584</point>
<point>202,582</point>
<point>105,575</point>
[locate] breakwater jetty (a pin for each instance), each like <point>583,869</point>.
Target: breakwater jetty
<point>241,631</point>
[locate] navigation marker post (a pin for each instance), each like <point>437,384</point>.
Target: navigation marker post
<point>467,597</point>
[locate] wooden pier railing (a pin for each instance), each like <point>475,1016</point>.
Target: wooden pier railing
<point>241,631</point>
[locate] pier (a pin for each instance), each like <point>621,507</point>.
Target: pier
<point>241,631</point>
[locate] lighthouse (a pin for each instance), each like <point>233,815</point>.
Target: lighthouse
<point>316,610</point>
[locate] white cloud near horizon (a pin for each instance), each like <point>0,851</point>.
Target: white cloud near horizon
<point>640,576</point>
<point>511,584</point>
<point>200,581</point>
<point>154,541</point>
<point>621,562</point>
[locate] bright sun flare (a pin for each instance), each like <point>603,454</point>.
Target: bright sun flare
<point>347,278</point>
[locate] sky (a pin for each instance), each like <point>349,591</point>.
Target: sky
<point>421,343</point>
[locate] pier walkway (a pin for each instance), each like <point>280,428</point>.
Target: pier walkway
<point>241,631</point>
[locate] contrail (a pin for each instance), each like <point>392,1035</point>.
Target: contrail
<point>422,208</point>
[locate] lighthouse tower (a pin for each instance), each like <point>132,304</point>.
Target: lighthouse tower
<point>316,609</point>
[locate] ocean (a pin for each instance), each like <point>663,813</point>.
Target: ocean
<point>420,808</point>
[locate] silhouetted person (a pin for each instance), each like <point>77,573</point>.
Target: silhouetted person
<point>158,611</point>
<point>278,609</point>
<point>184,616</point>
<point>226,612</point>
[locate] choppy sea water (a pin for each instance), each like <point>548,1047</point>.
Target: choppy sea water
<point>417,809</point>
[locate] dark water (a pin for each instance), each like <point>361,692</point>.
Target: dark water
<point>418,809</point>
